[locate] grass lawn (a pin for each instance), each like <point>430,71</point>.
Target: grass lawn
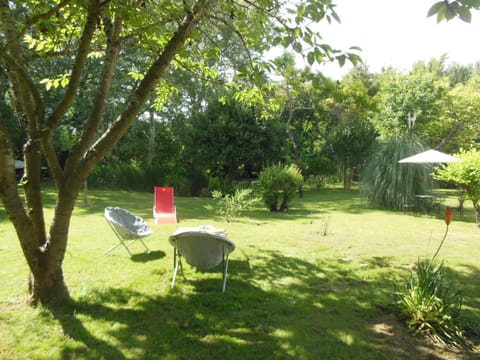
<point>312,283</point>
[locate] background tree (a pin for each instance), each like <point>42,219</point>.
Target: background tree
<point>405,98</point>
<point>459,124</point>
<point>229,140</point>
<point>351,135</point>
<point>466,173</point>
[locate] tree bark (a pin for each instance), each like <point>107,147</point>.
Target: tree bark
<point>151,139</point>
<point>296,152</point>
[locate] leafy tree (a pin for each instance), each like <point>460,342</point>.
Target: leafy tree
<point>351,136</point>
<point>230,140</point>
<point>66,37</point>
<point>459,124</point>
<point>466,173</point>
<point>291,90</point>
<point>410,103</point>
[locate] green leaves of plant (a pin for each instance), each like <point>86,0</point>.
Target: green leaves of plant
<point>447,9</point>
<point>430,304</point>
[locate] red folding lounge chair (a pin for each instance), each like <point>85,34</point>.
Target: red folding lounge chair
<point>164,210</point>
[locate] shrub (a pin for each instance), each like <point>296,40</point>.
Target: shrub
<point>318,169</point>
<point>430,305</point>
<point>279,184</point>
<point>231,205</point>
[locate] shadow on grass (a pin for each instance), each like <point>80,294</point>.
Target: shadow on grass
<point>145,257</point>
<point>275,306</point>
<point>470,282</point>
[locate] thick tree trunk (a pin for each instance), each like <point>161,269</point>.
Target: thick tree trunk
<point>46,283</point>
<point>48,286</point>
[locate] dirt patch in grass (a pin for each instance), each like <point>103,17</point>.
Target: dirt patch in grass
<point>388,327</point>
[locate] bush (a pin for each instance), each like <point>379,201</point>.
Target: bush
<point>430,305</point>
<point>231,205</point>
<point>130,176</point>
<point>318,169</point>
<point>279,184</point>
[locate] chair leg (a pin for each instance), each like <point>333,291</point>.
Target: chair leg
<point>146,247</point>
<point>225,271</point>
<point>117,245</point>
<point>174,274</point>
<point>177,262</point>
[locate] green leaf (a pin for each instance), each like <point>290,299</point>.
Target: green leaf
<point>64,82</point>
<point>464,14</point>
<point>435,9</point>
<point>311,58</point>
<point>297,46</point>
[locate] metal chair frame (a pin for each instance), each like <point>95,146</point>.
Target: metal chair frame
<point>225,246</point>
<point>126,235</point>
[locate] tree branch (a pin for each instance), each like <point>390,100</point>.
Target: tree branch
<point>116,130</point>
<point>94,121</point>
<point>80,59</point>
<point>458,126</point>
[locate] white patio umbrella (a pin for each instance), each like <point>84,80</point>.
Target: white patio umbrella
<point>429,157</point>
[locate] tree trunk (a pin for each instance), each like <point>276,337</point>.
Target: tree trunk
<point>47,284</point>
<point>151,139</point>
<point>476,207</point>
<point>296,152</point>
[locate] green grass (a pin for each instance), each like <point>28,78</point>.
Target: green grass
<point>313,283</point>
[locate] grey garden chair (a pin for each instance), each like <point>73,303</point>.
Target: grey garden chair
<point>128,228</point>
<point>203,247</point>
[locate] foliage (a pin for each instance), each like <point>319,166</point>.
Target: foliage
<point>431,304</point>
<point>318,168</point>
<point>466,173</point>
<point>461,115</point>
<point>231,206</point>
<point>450,9</point>
<point>409,103</point>
<point>229,140</point>
<point>388,184</point>
<point>351,135</point>
<point>279,184</point>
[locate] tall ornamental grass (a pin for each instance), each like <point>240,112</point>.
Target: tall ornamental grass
<point>388,184</point>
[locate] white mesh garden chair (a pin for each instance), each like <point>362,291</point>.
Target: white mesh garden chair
<point>204,247</point>
<point>128,228</point>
